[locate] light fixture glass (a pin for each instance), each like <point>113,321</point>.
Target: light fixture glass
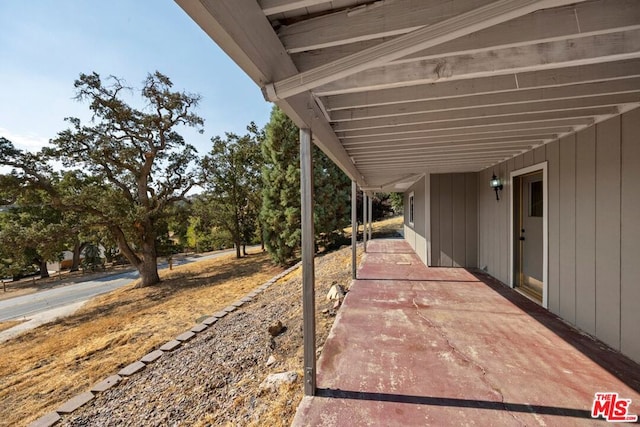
<point>495,182</point>
<point>496,185</point>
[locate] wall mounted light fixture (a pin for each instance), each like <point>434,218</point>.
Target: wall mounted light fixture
<point>496,184</point>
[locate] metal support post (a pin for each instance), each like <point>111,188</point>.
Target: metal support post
<point>354,227</point>
<point>308,253</point>
<point>370,212</point>
<point>364,220</point>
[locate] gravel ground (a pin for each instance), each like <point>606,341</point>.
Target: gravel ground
<point>214,378</point>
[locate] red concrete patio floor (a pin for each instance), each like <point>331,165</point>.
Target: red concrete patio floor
<point>417,346</point>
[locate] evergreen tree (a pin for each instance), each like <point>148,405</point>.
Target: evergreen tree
<point>280,212</point>
<point>332,197</point>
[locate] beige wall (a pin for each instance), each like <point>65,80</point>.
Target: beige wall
<point>418,234</point>
<point>454,220</point>
<point>594,228</point>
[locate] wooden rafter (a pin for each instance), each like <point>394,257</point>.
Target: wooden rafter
<point>589,18</point>
<point>415,41</point>
<point>572,52</point>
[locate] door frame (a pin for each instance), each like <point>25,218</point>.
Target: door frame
<point>545,227</point>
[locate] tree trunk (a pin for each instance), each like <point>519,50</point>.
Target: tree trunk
<point>244,249</point>
<point>44,273</point>
<point>237,245</point>
<point>148,269</point>
<point>148,265</point>
<point>77,250</point>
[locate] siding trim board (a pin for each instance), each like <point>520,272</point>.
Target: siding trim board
<point>545,227</point>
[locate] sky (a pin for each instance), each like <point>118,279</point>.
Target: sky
<point>46,44</point>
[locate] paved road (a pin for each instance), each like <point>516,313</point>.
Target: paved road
<point>28,305</point>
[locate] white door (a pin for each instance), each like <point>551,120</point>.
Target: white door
<point>529,234</point>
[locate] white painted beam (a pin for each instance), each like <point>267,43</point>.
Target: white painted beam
<point>542,56</point>
<point>562,105</point>
<point>241,29</point>
<point>443,154</point>
<point>486,85</point>
<point>525,96</point>
<point>271,7</point>
<point>545,25</point>
<point>429,36</point>
<point>461,136</point>
<point>387,18</point>
<point>577,117</point>
<point>324,136</point>
<point>368,151</point>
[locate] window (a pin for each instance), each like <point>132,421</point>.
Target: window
<point>535,199</point>
<point>411,208</point>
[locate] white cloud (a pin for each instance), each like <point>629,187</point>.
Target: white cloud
<point>29,142</point>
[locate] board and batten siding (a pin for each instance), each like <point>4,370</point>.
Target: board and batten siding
<point>593,226</point>
<point>454,220</point>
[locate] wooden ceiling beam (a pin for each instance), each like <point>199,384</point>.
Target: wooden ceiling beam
<point>524,121</point>
<point>415,41</point>
<point>441,151</point>
<point>380,19</point>
<point>410,148</point>
<point>554,78</point>
<point>524,96</point>
<point>242,30</point>
<point>556,107</point>
<point>542,56</point>
<point>453,136</point>
<point>594,17</point>
<point>272,7</point>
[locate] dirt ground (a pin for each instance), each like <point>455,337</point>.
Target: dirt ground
<point>215,378</point>
<point>50,364</point>
<point>46,366</point>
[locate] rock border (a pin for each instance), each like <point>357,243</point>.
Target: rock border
<point>67,408</point>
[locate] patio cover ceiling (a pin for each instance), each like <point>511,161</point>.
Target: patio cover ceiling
<point>393,89</point>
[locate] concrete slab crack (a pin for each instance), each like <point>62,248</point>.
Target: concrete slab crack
<point>467,359</point>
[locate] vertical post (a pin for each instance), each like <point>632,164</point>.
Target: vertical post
<point>370,211</point>
<point>308,252</point>
<point>354,227</point>
<point>364,220</point>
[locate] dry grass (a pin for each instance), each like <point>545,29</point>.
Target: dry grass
<point>48,365</point>
<point>8,324</point>
<point>388,226</point>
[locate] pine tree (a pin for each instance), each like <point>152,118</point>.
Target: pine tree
<point>332,193</point>
<point>280,212</point>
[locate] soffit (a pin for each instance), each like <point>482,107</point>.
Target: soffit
<point>396,88</point>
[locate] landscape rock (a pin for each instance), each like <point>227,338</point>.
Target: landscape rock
<point>271,360</point>
<point>75,402</point>
<point>276,329</point>
<point>218,374</point>
<point>274,381</point>
<point>106,384</point>
<point>46,420</point>
<point>336,292</point>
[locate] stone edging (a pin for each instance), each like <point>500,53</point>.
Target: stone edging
<point>78,401</point>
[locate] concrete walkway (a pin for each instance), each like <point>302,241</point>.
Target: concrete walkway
<point>417,346</point>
